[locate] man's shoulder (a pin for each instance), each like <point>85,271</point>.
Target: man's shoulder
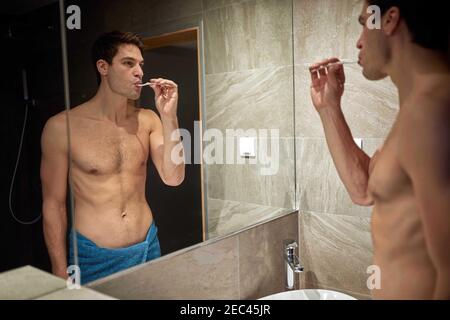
<point>56,123</point>
<point>55,132</point>
<point>425,120</point>
<point>148,116</point>
<point>76,116</point>
<point>60,118</point>
<point>148,113</point>
<point>429,109</point>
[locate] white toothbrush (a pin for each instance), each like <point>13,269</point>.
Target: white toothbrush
<point>331,64</point>
<point>144,84</point>
<point>149,84</point>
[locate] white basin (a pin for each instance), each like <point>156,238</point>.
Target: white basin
<point>309,294</point>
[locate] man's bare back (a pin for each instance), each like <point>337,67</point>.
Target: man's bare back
<point>109,168</point>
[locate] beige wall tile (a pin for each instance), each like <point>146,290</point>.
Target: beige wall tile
<point>324,28</point>
<point>319,187</point>
<point>251,99</point>
<point>248,35</point>
<point>226,216</point>
<point>261,261</point>
<point>335,251</point>
<point>246,183</point>
<point>370,107</point>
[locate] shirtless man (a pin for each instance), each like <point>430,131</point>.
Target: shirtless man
<point>110,143</point>
<point>408,179</point>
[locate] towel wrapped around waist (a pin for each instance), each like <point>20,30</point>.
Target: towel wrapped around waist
<point>97,262</point>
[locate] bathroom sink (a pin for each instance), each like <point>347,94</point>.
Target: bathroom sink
<point>309,294</point>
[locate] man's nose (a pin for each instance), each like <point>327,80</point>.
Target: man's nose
<point>359,44</point>
<point>139,72</point>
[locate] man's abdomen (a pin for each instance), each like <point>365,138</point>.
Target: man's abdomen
<point>400,252</point>
<point>112,225</point>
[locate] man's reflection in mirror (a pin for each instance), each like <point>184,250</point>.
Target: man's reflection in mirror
<point>111,140</point>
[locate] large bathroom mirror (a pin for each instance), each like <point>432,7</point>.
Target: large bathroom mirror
<point>233,64</point>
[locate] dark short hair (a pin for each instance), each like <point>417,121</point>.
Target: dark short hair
<point>107,45</point>
<point>427,21</point>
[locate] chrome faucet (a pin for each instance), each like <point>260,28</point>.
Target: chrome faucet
<point>292,263</point>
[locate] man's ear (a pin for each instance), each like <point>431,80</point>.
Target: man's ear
<point>391,21</point>
<point>102,67</point>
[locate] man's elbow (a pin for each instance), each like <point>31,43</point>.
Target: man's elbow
<point>175,180</point>
<point>361,199</point>
<point>52,207</point>
<point>442,290</point>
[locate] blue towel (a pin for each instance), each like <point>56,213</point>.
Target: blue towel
<point>96,262</point>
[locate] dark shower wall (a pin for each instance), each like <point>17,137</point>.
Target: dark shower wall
<point>33,45</point>
<point>177,211</point>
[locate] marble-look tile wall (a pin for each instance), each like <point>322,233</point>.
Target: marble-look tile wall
<point>249,85</point>
<point>334,233</point>
<point>226,216</point>
<point>246,265</point>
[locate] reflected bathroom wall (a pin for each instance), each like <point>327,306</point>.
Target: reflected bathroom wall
<point>249,86</point>
<point>31,92</point>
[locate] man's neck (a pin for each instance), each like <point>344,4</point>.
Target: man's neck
<point>414,68</point>
<point>109,105</point>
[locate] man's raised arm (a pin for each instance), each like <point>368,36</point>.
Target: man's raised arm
<point>351,162</point>
<point>166,148</point>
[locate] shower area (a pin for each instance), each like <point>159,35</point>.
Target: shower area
<point>31,91</point>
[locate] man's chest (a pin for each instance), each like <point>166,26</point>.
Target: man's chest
<point>388,180</point>
<point>101,149</point>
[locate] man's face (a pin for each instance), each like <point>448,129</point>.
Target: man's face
<point>125,72</point>
<point>373,49</point>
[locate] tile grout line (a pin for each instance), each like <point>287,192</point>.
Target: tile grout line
<point>368,217</point>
